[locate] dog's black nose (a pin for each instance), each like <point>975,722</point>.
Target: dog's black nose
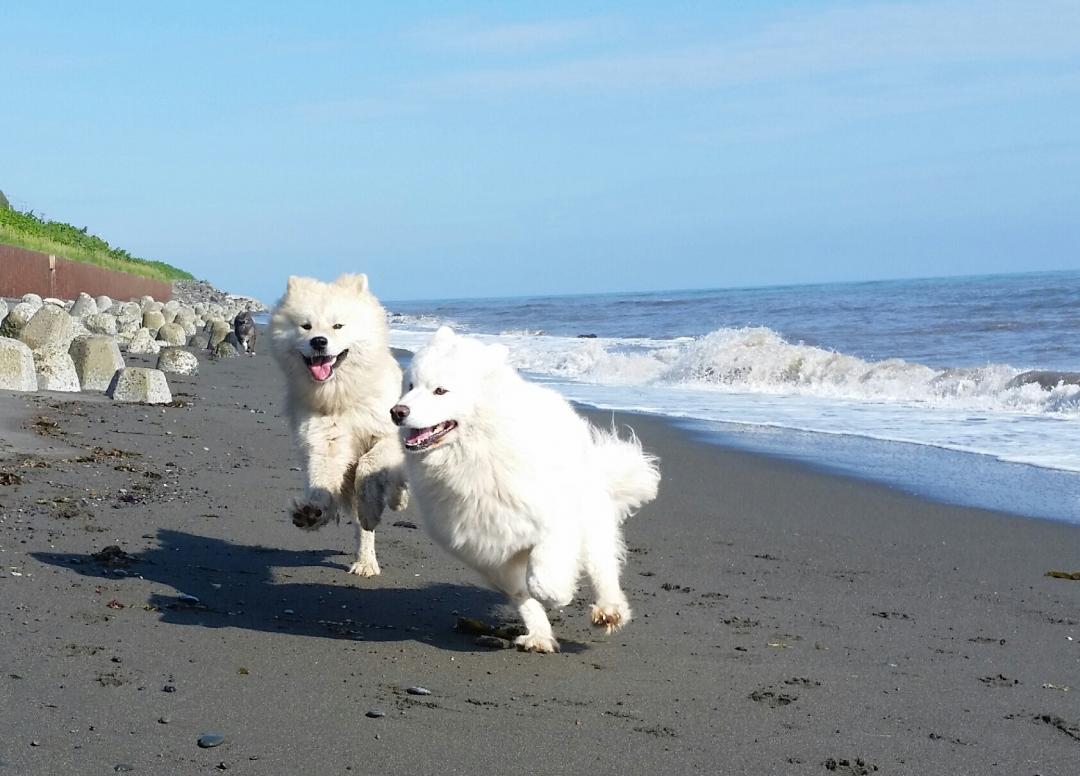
<point>319,343</point>
<point>398,413</point>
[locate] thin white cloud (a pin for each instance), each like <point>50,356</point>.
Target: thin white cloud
<point>851,62</point>
<point>477,37</point>
<point>831,42</point>
<point>751,118</point>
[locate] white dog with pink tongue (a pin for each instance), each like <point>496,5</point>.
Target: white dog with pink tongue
<point>341,379</point>
<point>516,484</point>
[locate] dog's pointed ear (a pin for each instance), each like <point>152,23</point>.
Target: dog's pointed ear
<point>444,334</point>
<point>357,283</point>
<point>294,281</point>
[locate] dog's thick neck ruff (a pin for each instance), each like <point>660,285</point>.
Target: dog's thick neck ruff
<point>321,368</point>
<point>417,440</point>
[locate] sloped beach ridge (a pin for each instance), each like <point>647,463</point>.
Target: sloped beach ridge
<point>786,621</point>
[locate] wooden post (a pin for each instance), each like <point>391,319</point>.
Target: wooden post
<point>52,275</point>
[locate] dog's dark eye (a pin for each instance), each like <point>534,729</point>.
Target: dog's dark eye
<point>338,325</point>
<point>305,326</point>
<point>411,386</point>
<point>439,391</point>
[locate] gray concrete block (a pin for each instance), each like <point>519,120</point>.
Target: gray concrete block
<point>55,370</point>
<point>84,305</point>
<point>16,319</point>
<point>143,342</point>
<point>97,359</point>
<point>224,349</point>
<point>17,371</point>
<point>219,330</point>
<point>50,327</point>
<point>144,386</point>
<point>172,334</point>
<point>153,320</point>
<point>101,323</point>
<point>178,361</point>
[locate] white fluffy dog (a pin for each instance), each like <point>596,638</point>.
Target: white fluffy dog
<point>331,341</point>
<point>517,485</point>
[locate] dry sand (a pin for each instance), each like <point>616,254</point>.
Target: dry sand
<point>787,621</point>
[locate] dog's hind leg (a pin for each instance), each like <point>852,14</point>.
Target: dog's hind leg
<point>366,564</point>
<point>510,579</point>
<point>379,479</point>
<point>603,555</point>
<point>369,502</point>
<point>552,571</point>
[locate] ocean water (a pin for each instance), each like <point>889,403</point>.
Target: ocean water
<point>905,382</point>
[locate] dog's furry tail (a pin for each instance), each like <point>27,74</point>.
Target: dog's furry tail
<point>633,476</point>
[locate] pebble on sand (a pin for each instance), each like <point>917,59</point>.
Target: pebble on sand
<point>210,740</point>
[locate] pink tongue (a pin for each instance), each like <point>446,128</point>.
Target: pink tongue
<point>321,371</point>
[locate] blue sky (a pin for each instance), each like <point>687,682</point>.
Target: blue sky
<point>497,149</point>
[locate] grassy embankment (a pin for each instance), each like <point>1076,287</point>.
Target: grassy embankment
<point>26,230</point>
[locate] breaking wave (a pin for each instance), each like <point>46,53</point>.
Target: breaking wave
<point>759,360</point>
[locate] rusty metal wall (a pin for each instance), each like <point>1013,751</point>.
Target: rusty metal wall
<point>24,272</point>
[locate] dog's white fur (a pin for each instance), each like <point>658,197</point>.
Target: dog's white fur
<point>522,489</point>
<point>352,458</point>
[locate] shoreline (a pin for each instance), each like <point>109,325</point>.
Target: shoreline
<point>943,475</point>
<point>785,619</point>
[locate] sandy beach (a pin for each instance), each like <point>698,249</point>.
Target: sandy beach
<point>786,621</point>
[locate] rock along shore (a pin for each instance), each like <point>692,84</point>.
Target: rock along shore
<point>80,344</point>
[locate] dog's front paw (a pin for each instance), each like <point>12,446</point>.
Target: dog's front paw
<point>610,617</point>
<point>308,517</point>
<point>545,645</point>
<point>310,512</point>
<point>365,567</point>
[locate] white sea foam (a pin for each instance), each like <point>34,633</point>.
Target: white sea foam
<point>523,333</point>
<point>407,321</point>
<point>758,360</point>
<point>754,376</point>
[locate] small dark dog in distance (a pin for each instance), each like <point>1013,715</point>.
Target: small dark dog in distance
<point>244,329</point>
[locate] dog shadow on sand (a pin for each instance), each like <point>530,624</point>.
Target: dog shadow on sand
<point>213,583</point>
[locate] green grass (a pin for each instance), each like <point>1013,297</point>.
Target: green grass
<point>26,230</point>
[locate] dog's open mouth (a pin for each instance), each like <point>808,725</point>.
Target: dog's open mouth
<point>422,438</point>
<point>322,367</point>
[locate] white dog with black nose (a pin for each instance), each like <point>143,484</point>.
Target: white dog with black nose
<point>516,484</point>
<point>331,341</point>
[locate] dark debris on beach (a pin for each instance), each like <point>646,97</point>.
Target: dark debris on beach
<point>789,623</point>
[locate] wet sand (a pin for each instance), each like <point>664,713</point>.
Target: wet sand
<point>786,621</point>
